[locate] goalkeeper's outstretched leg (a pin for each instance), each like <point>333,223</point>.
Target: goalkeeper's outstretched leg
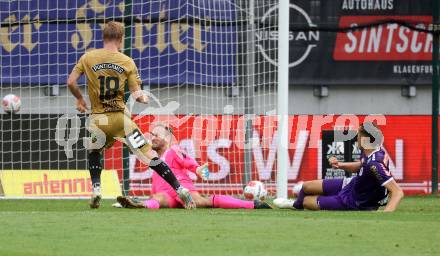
<point>164,200</point>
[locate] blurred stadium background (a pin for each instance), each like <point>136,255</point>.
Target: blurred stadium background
<point>210,65</point>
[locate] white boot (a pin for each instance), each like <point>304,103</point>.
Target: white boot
<point>284,203</point>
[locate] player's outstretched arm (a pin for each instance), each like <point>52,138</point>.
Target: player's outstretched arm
<point>396,194</point>
<point>81,104</point>
<point>346,166</point>
<point>137,93</point>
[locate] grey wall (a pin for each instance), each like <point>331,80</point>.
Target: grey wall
<point>381,99</point>
<point>212,100</point>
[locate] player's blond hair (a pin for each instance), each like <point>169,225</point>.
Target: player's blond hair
<point>113,31</point>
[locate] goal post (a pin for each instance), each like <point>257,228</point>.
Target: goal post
<point>283,97</point>
<point>128,12</point>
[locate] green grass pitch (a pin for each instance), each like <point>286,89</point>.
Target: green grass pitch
<point>69,227</point>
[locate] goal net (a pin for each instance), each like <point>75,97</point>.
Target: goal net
<point>210,69</point>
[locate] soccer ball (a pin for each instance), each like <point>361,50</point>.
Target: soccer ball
<point>255,190</point>
<point>11,103</point>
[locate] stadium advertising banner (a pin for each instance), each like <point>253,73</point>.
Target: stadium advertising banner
<point>56,183</point>
<point>204,42</point>
<point>165,49</point>
<point>29,143</point>
<point>219,140</point>
<point>343,150</point>
<point>90,9</point>
<point>386,53</point>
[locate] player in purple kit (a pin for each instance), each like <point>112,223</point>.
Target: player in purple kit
<point>373,187</point>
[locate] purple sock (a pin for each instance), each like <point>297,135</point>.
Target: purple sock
<point>298,204</point>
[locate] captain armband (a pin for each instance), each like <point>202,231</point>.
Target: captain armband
<point>136,139</point>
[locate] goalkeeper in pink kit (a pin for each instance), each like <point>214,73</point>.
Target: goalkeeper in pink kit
<point>164,196</point>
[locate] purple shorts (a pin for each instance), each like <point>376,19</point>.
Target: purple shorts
<point>330,200</point>
<point>332,187</point>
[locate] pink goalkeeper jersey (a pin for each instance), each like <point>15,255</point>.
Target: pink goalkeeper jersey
<point>179,162</point>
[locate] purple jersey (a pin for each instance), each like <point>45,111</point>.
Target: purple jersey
<point>367,191</point>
